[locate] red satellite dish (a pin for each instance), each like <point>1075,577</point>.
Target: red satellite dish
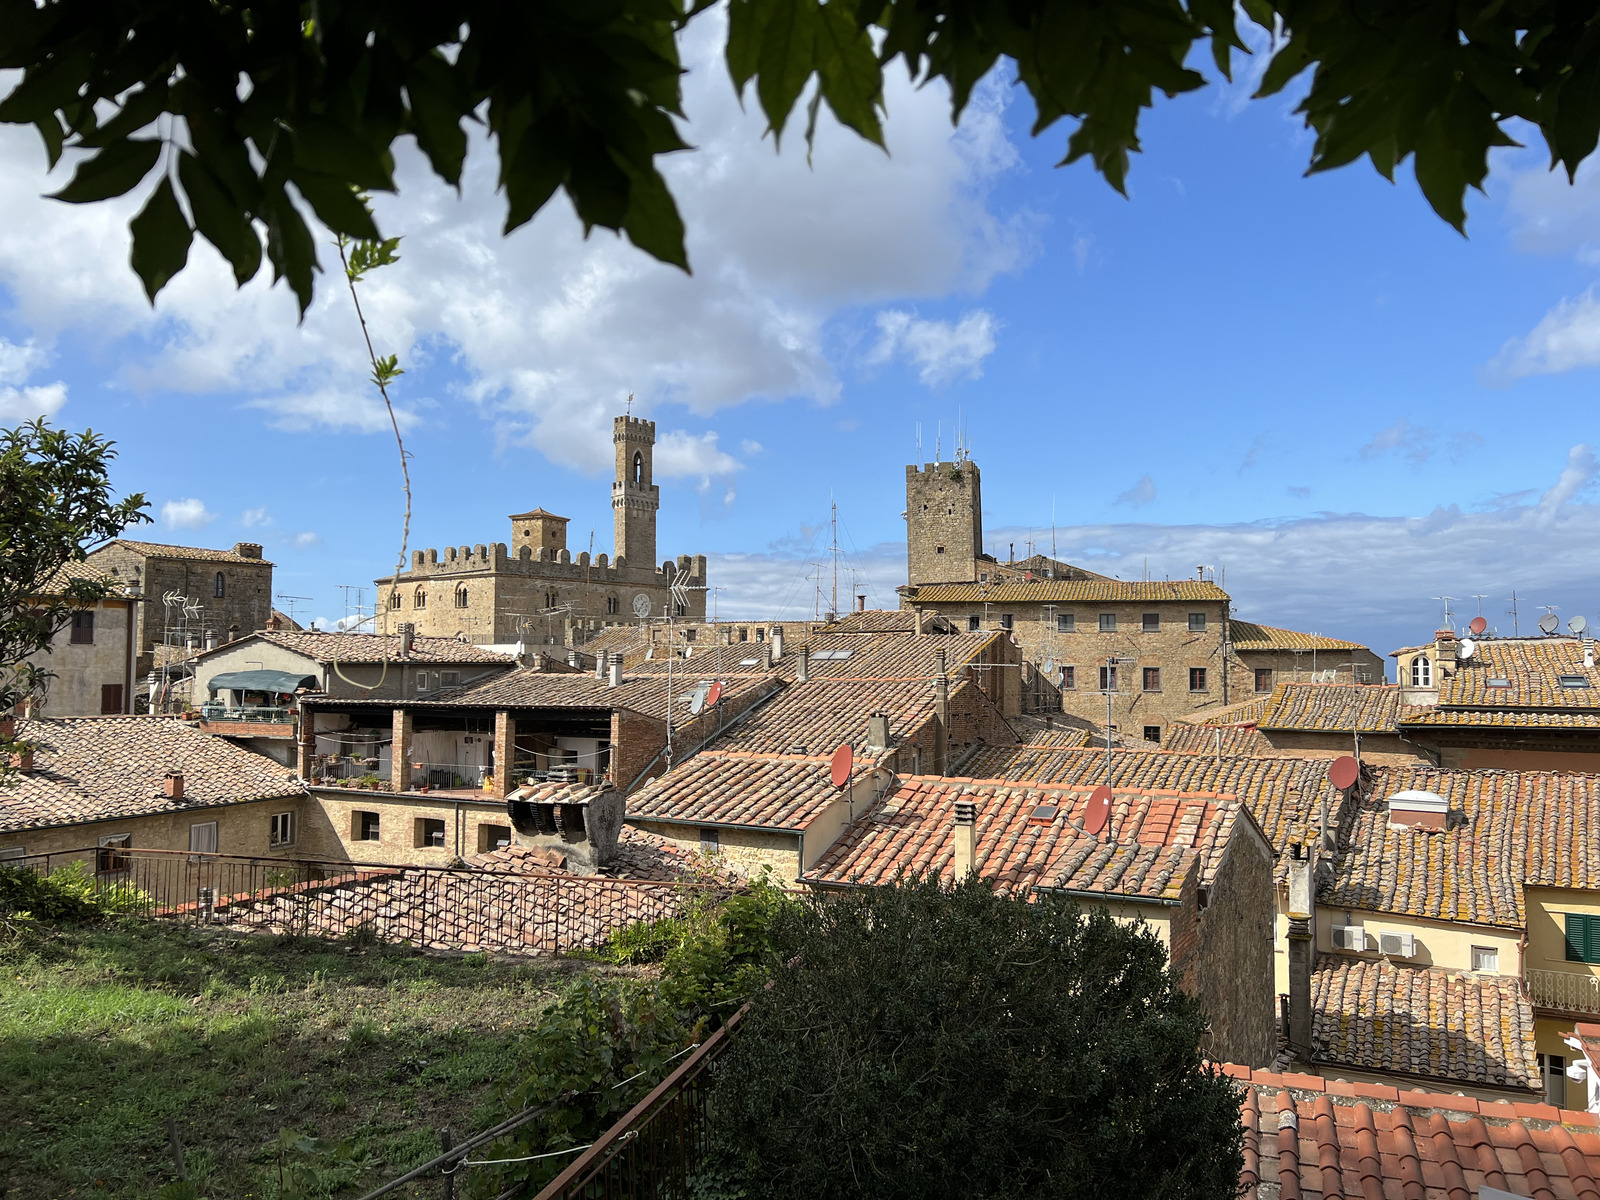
<point>1343,772</point>
<point>844,760</point>
<point>1098,811</point>
<point>1477,626</point>
<point>714,694</point>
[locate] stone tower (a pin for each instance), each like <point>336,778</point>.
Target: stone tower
<point>944,523</point>
<point>634,498</point>
<point>538,530</point>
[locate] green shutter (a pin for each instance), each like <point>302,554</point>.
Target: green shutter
<point>1583,938</point>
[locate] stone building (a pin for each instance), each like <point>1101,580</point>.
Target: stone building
<point>229,593</point>
<point>92,659</point>
<point>534,589</point>
<point>1272,656</point>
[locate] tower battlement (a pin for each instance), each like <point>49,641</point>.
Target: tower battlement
<point>944,522</point>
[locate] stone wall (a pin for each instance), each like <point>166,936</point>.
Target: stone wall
<point>944,523</point>
<point>1328,666</point>
<point>975,720</point>
<point>1233,973</point>
<point>241,829</point>
<point>636,743</point>
<point>330,829</point>
<point>1383,748</point>
<point>745,850</point>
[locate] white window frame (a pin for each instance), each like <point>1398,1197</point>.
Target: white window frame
<point>1422,671</point>
<point>1490,953</point>
<point>281,821</point>
<point>197,828</point>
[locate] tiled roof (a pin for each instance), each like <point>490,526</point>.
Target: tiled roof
<point>1485,718</point>
<point>1248,635</point>
<point>1052,729</point>
<point>100,768</point>
<point>769,791</point>
<point>550,791</point>
<point>1310,1138</point>
<point>367,648</point>
<point>1019,764</point>
<point>536,512</point>
<point>822,714</point>
<point>193,553</point>
<point>1230,740</point>
<point>1240,712</point>
<point>1334,708</point>
<point>889,620</point>
<point>72,571</point>
<point>640,693</point>
<point>640,855</point>
<point>885,656</point>
<point>1160,839</point>
<point>1533,668</point>
<point>1068,591</point>
<point>1507,830</point>
<point>1375,1015</point>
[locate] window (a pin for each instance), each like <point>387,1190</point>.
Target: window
<point>1263,679</point>
<point>1007,621</point>
<point>708,840</point>
<point>550,600</point>
<point>364,826</point>
<point>12,852</point>
<point>110,699</point>
<point>974,623</point>
<point>744,635</point>
<point>638,467</point>
<point>1151,623</point>
<point>219,586</point>
<point>419,599</point>
<point>1554,1069</point>
<point>1485,958</point>
<point>429,832</point>
<point>461,597</point>
<point>1069,677</point>
<point>1066,622</point>
<point>449,678</point>
<point>613,604</point>
<point>83,629</point>
<point>1197,622</point>
<point>112,857</point>
<point>1108,679</point>
<point>1583,938</point>
<point>1197,679</point>
<point>1497,682</point>
<point>394,599</point>
<point>281,830</point>
<point>422,681</point>
<point>1108,622</point>
<point>683,609</point>
<point>493,837</point>
<point>1421,671</point>
<point>203,838</point>
<point>1152,733</point>
<point>688,635</point>
<point>761,635</point>
<point>1152,679</point>
<point>1572,681</point>
<point>938,549</point>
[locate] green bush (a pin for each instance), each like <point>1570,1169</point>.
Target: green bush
<point>924,1042</point>
<point>66,894</point>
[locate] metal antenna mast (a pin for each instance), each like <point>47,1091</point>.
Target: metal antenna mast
<point>1446,601</point>
<point>1516,630</point>
<point>293,600</point>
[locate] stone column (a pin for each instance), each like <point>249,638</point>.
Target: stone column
<point>505,735</point>
<point>400,752</point>
<point>305,741</point>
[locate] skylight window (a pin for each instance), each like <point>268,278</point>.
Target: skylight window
<point>1498,683</point>
<point>1044,814</point>
<point>748,662</point>
<point>1572,681</point>
<point>822,655</point>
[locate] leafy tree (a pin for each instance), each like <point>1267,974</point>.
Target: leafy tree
<point>242,114</point>
<point>925,1042</point>
<point>55,504</point>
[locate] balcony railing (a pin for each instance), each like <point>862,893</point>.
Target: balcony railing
<point>1566,991</point>
<point>259,714</point>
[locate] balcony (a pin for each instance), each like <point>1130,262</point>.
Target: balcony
<point>1564,991</point>
<point>252,721</point>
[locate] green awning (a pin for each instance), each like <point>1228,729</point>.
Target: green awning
<point>286,682</point>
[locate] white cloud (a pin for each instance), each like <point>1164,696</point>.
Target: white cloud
<point>682,455</point>
<point>24,404</point>
<point>252,518</point>
<point>550,329</point>
<point>18,361</point>
<point>1418,443</point>
<point>941,352</point>
<point>751,447</point>
<point>186,514</point>
<point>1567,337</point>
<point>1577,475</point>
<point>1140,494</point>
<point>307,539</point>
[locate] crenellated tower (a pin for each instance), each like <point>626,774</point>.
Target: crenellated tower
<point>634,498</point>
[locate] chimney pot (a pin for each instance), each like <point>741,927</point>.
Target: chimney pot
<point>966,839</point>
<point>803,672</point>
<point>173,785</point>
<point>861,602</point>
<point>777,643</point>
<point>614,673</point>
<point>408,637</point>
<point>878,731</point>
<point>600,662</point>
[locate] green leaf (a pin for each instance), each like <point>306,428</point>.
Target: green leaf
<point>849,74</point>
<point>747,25</point>
<point>329,149</point>
<point>787,59</point>
<point>336,204</point>
<point>289,246</point>
<point>653,223</point>
<point>436,119</point>
<point>220,221</point>
<point>113,171</point>
<point>161,239</point>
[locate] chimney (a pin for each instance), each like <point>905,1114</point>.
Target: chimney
<point>777,642</point>
<point>247,549</point>
<point>30,708</point>
<point>600,664</point>
<point>614,673</point>
<point>966,839</point>
<point>233,633</point>
<point>1445,644</point>
<point>803,672</point>
<point>408,637</point>
<point>172,784</point>
<point>572,658</point>
<point>22,760</point>
<point>1588,652</point>
<point>861,602</point>
<point>1302,949</point>
<point>766,656</point>
<point>878,732</point>
<point>941,716</point>
<point>211,639</point>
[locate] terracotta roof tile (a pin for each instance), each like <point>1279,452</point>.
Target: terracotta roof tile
<point>1334,708</point>
<point>366,648</point>
<point>1228,740</point>
<point>1532,667</point>
<point>1248,635</point>
<point>193,553</point>
<point>715,787</point>
<point>101,768</point>
<point>1070,591</point>
<point>1447,1025</point>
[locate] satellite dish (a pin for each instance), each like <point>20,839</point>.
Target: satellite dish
<point>1098,810</point>
<point>641,605</point>
<point>649,654</point>
<point>1049,667</point>
<point>713,695</point>
<point>1548,623</point>
<point>1466,649</point>
<point>1478,625</point>
<point>844,760</point>
<point>697,698</point>
<point>1578,623</point>
<point>688,651</point>
<point>1343,772</point>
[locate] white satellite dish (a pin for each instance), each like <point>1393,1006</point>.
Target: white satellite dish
<point>1049,667</point>
<point>1467,649</point>
<point>649,654</point>
<point>641,605</point>
<point>688,651</point>
<point>1549,623</point>
<point>1578,624</point>
<point>697,700</point>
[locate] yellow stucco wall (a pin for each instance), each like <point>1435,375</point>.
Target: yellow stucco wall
<point>241,829</point>
<point>329,828</point>
<point>745,850</point>
<point>1438,943</point>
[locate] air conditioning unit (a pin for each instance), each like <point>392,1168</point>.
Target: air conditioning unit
<point>1397,945</point>
<point>1349,937</point>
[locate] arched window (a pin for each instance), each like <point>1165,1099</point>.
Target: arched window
<point>219,586</point>
<point>1421,671</point>
<point>394,599</point>
<point>550,600</point>
<point>638,467</point>
<point>461,596</point>
<point>613,604</point>
<point>419,599</point>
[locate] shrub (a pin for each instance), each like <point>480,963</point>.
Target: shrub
<point>927,1042</point>
<point>65,894</point>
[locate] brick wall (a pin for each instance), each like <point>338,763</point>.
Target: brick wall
<point>975,719</point>
<point>1233,959</point>
<point>635,742</point>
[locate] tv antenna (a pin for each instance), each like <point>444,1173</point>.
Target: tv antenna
<point>293,600</point>
<point>1446,601</point>
<point>1516,629</point>
<point>1480,598</point>
<point>361,596</point>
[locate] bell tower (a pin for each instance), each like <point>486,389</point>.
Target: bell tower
<point>634,498</point>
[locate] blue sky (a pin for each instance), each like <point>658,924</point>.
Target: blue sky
<point>1313,383</point>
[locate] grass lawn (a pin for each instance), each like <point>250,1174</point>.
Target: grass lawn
<point>250,1044</point>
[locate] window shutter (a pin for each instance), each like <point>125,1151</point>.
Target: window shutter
<point>1583,938</point>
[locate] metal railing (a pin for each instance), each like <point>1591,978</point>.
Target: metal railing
<point>442,908</point>
<point>257,714</point>
<point>652,1151</point>
<point>1566,991</point>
